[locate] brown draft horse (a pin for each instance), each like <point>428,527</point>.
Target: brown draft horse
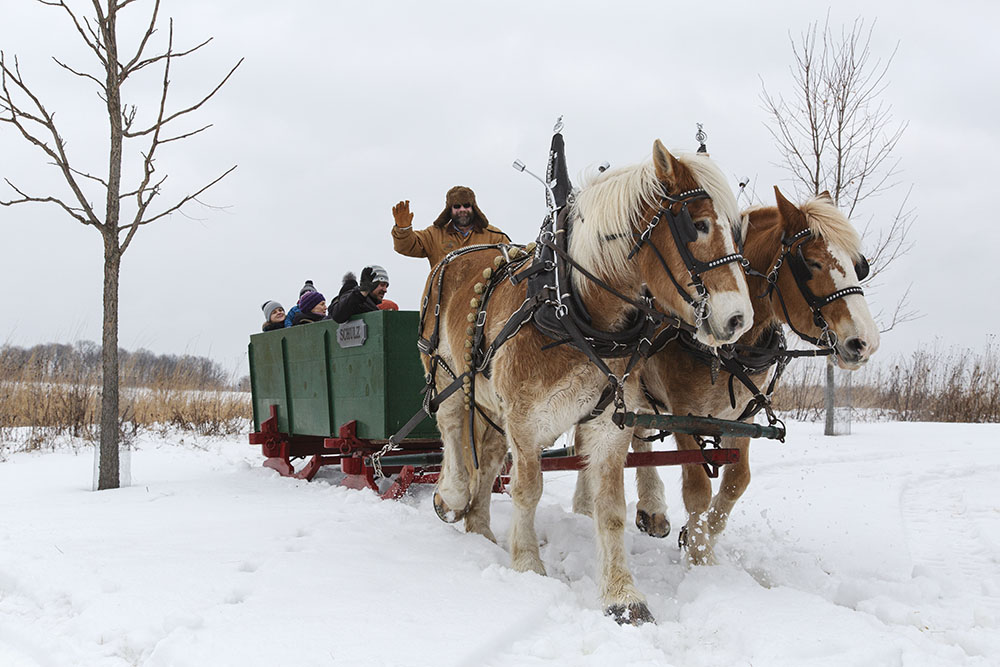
<point>831,252</point>
<point>535,395</point>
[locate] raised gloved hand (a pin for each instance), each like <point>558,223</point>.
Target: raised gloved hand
<point>401,214</point>
<point>367,283</point>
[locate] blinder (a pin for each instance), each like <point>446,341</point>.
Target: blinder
<point>861,268</point>
<point>684,233</point>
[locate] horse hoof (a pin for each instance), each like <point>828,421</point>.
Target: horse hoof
<point>636,613</point>
<point>444,513</point>
<point>682,537</point>
<point>654,525</point>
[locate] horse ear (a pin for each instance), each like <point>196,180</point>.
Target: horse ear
<point>826,195</point>
<point>666,164</point>
<point>788,210</point>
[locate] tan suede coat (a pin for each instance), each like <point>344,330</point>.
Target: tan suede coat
<point>436,242</point>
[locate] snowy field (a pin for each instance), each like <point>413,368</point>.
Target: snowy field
<point>877,549</point>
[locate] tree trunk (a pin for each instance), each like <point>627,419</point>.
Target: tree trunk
<point>829,397</point>
<point>108,475</point>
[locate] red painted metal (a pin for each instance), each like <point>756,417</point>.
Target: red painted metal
<point>279,449</point>
<point>640,459</point>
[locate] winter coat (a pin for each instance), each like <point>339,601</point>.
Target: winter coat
<point>436,242</point>
<point>351,303</point>
<point>271,326</point>
<point>290,316</point>
<point>307,318</point>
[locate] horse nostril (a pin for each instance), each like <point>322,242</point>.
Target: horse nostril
<point>735,322</point>
<point>856,345</point>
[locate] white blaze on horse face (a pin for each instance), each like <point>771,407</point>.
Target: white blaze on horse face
<point>857,336</point>
<point>730,312</point>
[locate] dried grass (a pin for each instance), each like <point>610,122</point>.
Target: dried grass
<point>44,406</point>
<point>931,384</point>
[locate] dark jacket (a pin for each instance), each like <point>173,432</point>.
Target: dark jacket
<point>271,326</point>
<point>307,318</point>
<point>350,301</point>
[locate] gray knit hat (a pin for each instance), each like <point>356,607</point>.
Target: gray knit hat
<point>269,307</point>
<point>308,287</point>
<point>379,275</point>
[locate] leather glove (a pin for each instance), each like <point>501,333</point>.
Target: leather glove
<point>401,214</point>
<point>367,283</point>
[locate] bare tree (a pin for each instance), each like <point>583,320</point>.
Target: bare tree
<point>24,111</point>
<point>836,134</point>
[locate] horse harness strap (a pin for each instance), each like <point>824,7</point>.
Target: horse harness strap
<point>792,255</point>
<point>684,232</point>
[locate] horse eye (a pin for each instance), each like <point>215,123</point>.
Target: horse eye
<point>815,265</point>
<point>701,225</point>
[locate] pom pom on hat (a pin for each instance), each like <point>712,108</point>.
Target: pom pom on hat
<point>308,287</point>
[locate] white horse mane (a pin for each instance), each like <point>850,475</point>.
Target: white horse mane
<point>609,205</point>
<point>828,221</point>
<point>831,224</point>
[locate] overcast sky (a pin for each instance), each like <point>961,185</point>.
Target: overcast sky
<point>343,108</point>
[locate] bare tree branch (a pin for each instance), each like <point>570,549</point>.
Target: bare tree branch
<point>150,31</point>
<point>176,207</point>
<point>80,74</point>
<point>46,120</point>
<point>177,114</point>
<point>76,213</point>
<point>89,37</point>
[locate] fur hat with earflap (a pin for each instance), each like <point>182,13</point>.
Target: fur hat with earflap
<point>462,195</point>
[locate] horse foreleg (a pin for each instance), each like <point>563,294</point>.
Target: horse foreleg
<point>651,510</point>
<point>697,492</point>
<point>525,492</point>
<point>583,498</point>
<point>607,448</point>
<point>492,452</point>
<point>735,479</point>
<point>452,494</point>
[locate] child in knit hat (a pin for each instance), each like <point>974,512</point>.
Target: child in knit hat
<point>274,315</point>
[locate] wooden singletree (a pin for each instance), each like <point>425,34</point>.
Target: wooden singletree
<point>81,191</point>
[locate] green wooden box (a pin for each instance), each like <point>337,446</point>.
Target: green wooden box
<point>323,375</point>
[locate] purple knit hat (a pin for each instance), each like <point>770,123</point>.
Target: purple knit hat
<point>309,300</point>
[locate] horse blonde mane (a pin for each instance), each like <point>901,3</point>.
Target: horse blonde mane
<point>830,223</point>
<point>609,207</point>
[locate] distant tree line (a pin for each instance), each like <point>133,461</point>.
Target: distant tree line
<point>81,362</point>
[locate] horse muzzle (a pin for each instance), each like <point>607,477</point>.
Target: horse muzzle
<point>854,352</point>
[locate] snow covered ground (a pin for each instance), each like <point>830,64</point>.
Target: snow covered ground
<point>879,548</point>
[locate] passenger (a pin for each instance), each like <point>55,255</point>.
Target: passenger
<point>312,308</point>
<point>308,287</point>
<point>460,224</point>
<point>274,315</point>
<point>362,298</point>
<point>388,305</point>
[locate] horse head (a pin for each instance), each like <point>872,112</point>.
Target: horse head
<point>665,229</point>
<point>817,272</point>
<point>692,268</point>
